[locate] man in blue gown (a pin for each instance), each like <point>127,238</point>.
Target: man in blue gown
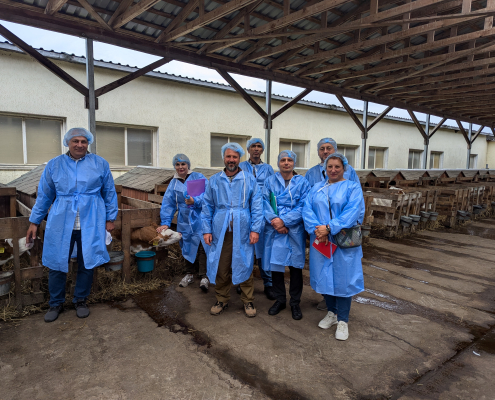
<point>79,188</point>
<point>232,218</point>
<point>261,172</point>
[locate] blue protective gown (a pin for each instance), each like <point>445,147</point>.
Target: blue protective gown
<point>315,174</point>
<point>188,219</point>
<point>240,201</point>
<point>261,172</point>
<point>283,250</point>
<point>341,275</point>
<point>86,185</point>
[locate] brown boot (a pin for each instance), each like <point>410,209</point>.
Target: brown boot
<point>250,310</point>
<point>218,308</point>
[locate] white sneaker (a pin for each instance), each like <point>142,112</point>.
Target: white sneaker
<point>189,278</point>
<point>328,321</point>
<point>342,332</point>
<point>204,284</point>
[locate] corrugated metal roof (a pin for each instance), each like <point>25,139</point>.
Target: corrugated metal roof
<point>454,173</point>
<point>145,178</point>
<point>414,174</point>
<point>393,174</point>
<point>28,182</point>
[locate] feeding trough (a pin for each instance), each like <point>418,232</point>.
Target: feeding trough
<point>433,216</point>
<point>477,209</point>
<point>461,215</point>
<point>5,278</point>
<point>415,219</point>
<point>405,221</point>
<point>116,260</point>
<point>424,216</point>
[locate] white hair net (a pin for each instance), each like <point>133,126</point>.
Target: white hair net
<point>233,146</point>
<point>181,158</point>
<point>74,132</point>
<point>337,155</point>
<point>287,153</point>
<point>253,141</point>
<point>328,140</point>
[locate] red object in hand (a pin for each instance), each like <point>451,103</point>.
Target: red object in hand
<point>327,249</point>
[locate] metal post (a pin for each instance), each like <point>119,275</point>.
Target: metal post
<point>268,127</point>
<point>470,133</point>
<point>427,142</point>
<point>90,79</point>
<point>364,136</point>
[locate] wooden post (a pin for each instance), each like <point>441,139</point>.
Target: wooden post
<point>126,245</point>
<point>17,264</point>
<point>13,206</point>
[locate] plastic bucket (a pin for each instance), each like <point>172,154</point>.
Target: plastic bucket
<point>145,261</point>
<point>424,216</point>
<point>477,209</point>
<point>433,216</point>
<point>365,230</point>
<point>116,260</point>
<point>415,218</point>
<point>5,278</point>
<point>405,221</point>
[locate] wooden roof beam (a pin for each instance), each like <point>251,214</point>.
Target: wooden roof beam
<point>53,6</point>
<point>290,103</point>
<point>122,7</point>
<point>132,12</point>
<point>351,113</point>
<point>379,118</point>
<point>89,8</point>
<point>418,125</point>
<point>436,128</point>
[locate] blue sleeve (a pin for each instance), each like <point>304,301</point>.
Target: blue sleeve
<point>207,210</point>
<point>169,206</point>
<point>46,196</point>
<point>198,200</point>
<point>309,217</point>
<point>270,168</point>
<point>294,216</point>
<point>351,212</point>
<point>267,207</point>
<point>109,195</point>
<point>256,204</point>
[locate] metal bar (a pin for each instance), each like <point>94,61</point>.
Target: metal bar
<point>427,142</point>
<point>365,135</point>
<point>268,122</point>
<point>90,79</point>
<point>470,133</point>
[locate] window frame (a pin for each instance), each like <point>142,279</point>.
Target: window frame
<point>350,146</point>
<point>421,155</point>
<point>385,157</point>
<point>229,137</point>
<point>306,149</point>
<point>23,118</point>
<point>154,142</point>
<point>440,162</point>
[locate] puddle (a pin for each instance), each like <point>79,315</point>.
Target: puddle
<point>167,307</point>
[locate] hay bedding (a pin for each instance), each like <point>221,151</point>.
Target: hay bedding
<point>111,286</point>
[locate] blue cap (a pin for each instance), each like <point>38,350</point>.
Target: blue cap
<point>337,155</point>
<point>328,140</point>
<point>233,146</point>
<point>253,141</point>
<point>181,158</point>
<point>287,153</point>
<point>75,132</point>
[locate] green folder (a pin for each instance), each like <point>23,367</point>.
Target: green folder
<point>273,203</point>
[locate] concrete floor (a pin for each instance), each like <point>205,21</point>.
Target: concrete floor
<point>423,329</point>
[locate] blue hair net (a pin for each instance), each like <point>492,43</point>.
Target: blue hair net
<point>253,141</point>
<point>181,158</point>
<point>287,153</point>
<point>233,146</point>
<point>74,132</point>
<point>337,155</point>
<point>328,140</point>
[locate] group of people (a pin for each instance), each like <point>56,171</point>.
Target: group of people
<point>246,212</point>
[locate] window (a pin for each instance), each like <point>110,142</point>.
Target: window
<point>124,146</point>
<point>217,141</point>
<point>436,159</point>
<point>297,147</point>
<point>376,158</point>
<point>349,152</point>
<point>473,160</point>
<point>29,140</point>
<point>414,161</point>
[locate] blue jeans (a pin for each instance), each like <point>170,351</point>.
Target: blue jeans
<point>57,279</point>
<point>340,306</point>
<point>265,275</point>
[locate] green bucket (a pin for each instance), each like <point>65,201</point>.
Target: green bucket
<point>145,261</point>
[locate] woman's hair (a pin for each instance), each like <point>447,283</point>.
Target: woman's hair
<point>339,156</point>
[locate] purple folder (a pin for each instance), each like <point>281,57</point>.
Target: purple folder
<point>196,187</point>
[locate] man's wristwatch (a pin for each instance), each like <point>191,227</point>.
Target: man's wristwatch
<point>328,228</point>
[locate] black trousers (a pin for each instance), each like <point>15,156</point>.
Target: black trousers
<point>199,265</point>
<point>295,286</point>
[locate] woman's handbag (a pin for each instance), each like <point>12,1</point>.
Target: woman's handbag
<point>347,238</point>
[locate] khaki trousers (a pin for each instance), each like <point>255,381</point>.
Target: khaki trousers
<point>223,280</point>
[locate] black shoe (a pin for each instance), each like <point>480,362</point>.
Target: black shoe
<point>82,309</point>
<point>53,312</point>
<point>296,312</point>
<point>276,308</point>
<point>269,293</point>
<point>238,289</point>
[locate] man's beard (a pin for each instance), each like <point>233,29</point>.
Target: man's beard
<point>231,167</point>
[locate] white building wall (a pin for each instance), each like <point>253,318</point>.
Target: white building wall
<point>185,116</point>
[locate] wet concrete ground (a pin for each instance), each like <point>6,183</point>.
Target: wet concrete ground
<point>423,329</point>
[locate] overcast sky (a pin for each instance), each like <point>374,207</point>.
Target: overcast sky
<point>39,38</point>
